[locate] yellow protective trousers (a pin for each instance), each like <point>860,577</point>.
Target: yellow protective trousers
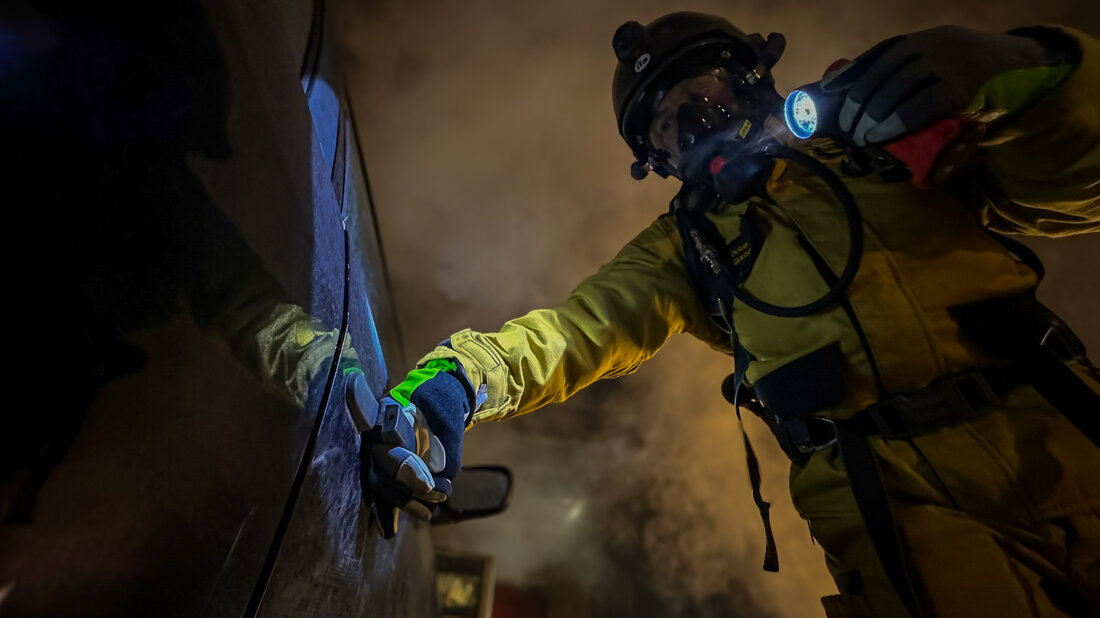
<point>997,516</point>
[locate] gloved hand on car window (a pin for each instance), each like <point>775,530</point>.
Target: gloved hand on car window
<point>907,82</point>
<point>414,451</point>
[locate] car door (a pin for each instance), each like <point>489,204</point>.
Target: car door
<point>186,178</point>
<point>331,561</point>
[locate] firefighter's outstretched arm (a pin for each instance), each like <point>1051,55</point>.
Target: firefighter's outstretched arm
<point>609,325</point>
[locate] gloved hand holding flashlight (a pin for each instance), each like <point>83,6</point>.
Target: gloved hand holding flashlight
<point>945,84</point>
<point>413,449</point>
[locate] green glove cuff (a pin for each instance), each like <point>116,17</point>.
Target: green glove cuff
<point>403,391</point>
<point>1014,91</point>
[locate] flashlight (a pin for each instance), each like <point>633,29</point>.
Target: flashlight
<point>810,112</point>
<point>932,155</point>
<point>800,112</point>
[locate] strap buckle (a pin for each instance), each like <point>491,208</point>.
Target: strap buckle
<point>811,433</point>
<point>947,401</point>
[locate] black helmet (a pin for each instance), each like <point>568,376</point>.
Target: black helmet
<point>654,57</point>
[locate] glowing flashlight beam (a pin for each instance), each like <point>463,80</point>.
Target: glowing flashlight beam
<point>801,114</point>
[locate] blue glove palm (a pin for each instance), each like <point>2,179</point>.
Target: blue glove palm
<point>414,450</point>
<point>445,397</point>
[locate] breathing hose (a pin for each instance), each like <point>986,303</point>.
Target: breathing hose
<point>776,150</point>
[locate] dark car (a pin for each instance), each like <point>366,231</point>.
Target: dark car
<point>194,275</point>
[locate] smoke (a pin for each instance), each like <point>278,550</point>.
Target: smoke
<point>500,182</point>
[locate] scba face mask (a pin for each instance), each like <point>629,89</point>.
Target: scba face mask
<point>710,132</point>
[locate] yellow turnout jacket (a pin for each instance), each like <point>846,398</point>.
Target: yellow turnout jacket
<point>925,251</point>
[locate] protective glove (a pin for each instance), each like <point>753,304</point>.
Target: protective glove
<point>413,452</point>
<point>907,82</point>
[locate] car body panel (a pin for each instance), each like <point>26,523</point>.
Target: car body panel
<point>189,488</point>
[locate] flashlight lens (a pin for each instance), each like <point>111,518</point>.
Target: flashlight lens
<point>801,114</point>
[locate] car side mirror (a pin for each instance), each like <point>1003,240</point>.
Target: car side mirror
<point>477,491</point>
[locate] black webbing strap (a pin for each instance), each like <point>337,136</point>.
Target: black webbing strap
<point>1067,392</point>
<point>1022,253</point>
<point>741,360</point>
<point>771,552</point>
<point>1022,328</point>
<point>716,275</point>
<point>1050,376</point>
<point>861,465</point>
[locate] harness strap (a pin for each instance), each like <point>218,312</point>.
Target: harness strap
<point>947,401</point>
<point>998,325</point>
<point>944,402</point>
<point>1064,389</point>
<point>1022,253</point>
<point>861,464</point>
<point>716,276</point>
<point>771,552</point>
<point>741,361</point>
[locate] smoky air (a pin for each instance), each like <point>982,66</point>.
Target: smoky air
<point>500,183</point>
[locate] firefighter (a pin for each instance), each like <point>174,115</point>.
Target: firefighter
<point>941,423</point>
